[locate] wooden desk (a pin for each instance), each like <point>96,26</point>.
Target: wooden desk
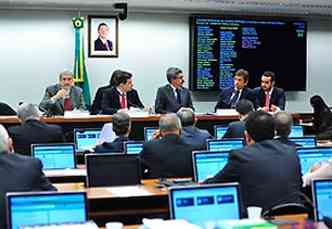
<point>67,175</point>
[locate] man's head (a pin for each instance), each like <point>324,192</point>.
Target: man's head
<point>259,127</point>
<point>175,77</point>
<point>244,107</point>
<point>103,30</point>
<point>187,116</point>
<point>27,111</point>
<point>267,81</point>
<point>66,79</point>
<point>241,79</point>
<point>283,122</point>
<point>124,81</point>
<point>121,124</point>
<point>114,77</point>
<point>6,144</point>
<point>170,124</point>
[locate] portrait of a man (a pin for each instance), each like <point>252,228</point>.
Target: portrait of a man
<point>102,43</point>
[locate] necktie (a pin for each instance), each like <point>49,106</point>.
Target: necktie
<point>267,100</point>
<point>178,96</point>
<point>123,101</point>
<point>234,99</point>
<point>68,104</point>
<point>107,46</point>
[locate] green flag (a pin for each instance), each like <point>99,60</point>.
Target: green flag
<point>80,75</point>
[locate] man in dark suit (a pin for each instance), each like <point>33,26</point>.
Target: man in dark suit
<point>269,97</point>
<point>18,173</point>
<point>173,96</point>
<point>121,96</point>
<point>33,130</point>
<point>229,97</point>
<point>268,171</point>
<point>168,156</point>
<point>102,43</point>
<point>190,134</point>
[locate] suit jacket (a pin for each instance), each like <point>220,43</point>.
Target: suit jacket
<point>224,101</point>
<point>277,97</point>
<point>166,101</point>
<point>269,173</point>
<point>167,157</point>
<point>5,109</point>
<point>112,147</point>
<point>34,132</point>
<point>57,107</point>
<point>100,46</point>
<point>96,105</point>
<point>20,174</point>
<point>110,103</point>
<point>195,137</point>
<point>235,130</point>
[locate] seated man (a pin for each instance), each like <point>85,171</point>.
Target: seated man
<point>63,96</point>
<point>121,126</point>
<point>268,171</point>
<point>229,97</point>
<point>173,96</point>
<point>18,173</point>
<point>190,134</point>
<point>283,122</point>
<point>168,156</point>
<point>269,97</point>
<point>236,129</point>
<point>121,96</point>
<point>32,130</point>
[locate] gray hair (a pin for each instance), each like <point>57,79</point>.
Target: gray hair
<point>169,122</point>
<point>65,73</point>
<point>187,116</point>
<point>283,122</point>
<point>4,139</point>
<point>27,111</point>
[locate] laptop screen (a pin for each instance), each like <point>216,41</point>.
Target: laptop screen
<point>219,131</point>
<point>133,147</point>
<point>310,156</point>
<point>46,208</point>
<point>305,142</point>
<point>55,156</point>
<point>86,139</point>
<point>148,133</point>
<point>224,144</point>
<point>322,190</point>
<point>297,131</point>
<point>207,164</point>
<point>200,204</point>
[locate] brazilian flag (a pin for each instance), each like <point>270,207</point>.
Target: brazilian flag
<point>80,75</point>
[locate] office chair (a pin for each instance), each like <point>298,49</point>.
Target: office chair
<point>285,209</point>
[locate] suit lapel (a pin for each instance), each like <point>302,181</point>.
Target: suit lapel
<point>170,92</point>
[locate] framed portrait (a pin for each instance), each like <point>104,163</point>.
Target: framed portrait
<point>103,36</point>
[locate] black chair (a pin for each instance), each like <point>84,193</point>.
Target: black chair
<point>285,209</point>
<point>5,109</point>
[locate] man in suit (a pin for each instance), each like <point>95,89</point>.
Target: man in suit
<point>190,134</point>
<point>269,97</point>
<point>63,96</point>
<point>229,97</point>
<point>268,171</point>
<point>173,96</point>
<point>236,129</point>
<point>18,173</point>
<point>121,96</point>
<point>102,43</point>
<point>168,156</point>
<point>32,130</point>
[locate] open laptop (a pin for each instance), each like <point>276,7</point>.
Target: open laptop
<point>220,130</point>
<point>207,164</point>
<point>86,139</point>
<point>133,147</point>
<point>310,156</point>
<point>216,145</point>
<point>202,203</point>
<point>305,141</point>
<point>25,209</point>
<point>322,197</point>
<point>55,156</point>
<point>297,131</point>
<point>148,133</point>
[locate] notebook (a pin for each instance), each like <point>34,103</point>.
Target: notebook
<point>305,142</point>
<point>220,130</point>
<point>133,147</point>
<point>55,156</point>
<point>202,203</point>
<point>24,209</point>
<point>322,197</point>
<point>214,145</point>
<point>310,156</point>
<point>207,164</point>
<point>86,139</point>
<point>297,131</point>
<point>148,133</point>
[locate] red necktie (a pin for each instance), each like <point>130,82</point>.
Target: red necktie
<point>267,100</point>
<point>123,101</point>
<point>68,104</point>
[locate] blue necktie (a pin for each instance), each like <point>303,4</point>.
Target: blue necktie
<point>178,96</point>
<point>234,99</point>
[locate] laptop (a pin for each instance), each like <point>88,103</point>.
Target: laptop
<point>202,203</point>
<point>321,194</point>
<point>310,156</point>
<point>112,170</point>
<point>55,156</point>
<point>207,164</point>
<point>24,209</point>
<point>133,147</point>
<point>297,131</point>
<point>216,145</point>
<point>220,130</point>
<point>86,139</point>
<point>304,142</point>
<point>148,133</point>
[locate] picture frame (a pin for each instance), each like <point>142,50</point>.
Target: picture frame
<point>103,36</point>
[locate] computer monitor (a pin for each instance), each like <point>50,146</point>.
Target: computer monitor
<point>148,133</point>
<point>304,142</point>
<point>216,145</point>
<point>86,139</point>
<point>321,193</point>
<point>220,130</point>
<point>112,170</point>
<point>297,131</point>
<point>46,208</point>
<point>207,164</point>
<point>202,203</point>
<point>133,147</point>
<point>55,156</point>
<point>310,156</point>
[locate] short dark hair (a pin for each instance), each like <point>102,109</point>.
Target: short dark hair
<point>260,126</point>
<point>172,73</point>
<point>114,77</point>
<point>244,106</point>
<point>121,123</point>
<point>122,77</point>
<point>270,74</point>
<point>102,24</point>
<point>283,122</point>
<point>244,74</point>
<point>187,116</point>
